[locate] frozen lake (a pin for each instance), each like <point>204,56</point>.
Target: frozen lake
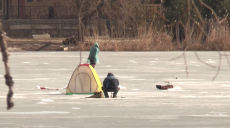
<point>196,101</point>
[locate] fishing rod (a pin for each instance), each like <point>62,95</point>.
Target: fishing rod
<point>48,88</point>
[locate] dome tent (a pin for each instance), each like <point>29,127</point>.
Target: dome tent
<point>84,80</point>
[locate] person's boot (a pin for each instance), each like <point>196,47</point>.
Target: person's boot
<point>106,94</point>
<point>115,94</point>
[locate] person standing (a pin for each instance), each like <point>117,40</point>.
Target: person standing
<point>110,84</point>
<point>93,55</point>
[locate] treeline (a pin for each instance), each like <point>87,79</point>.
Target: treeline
<point>198,24</point>
<point>176,25</point>
<point>169,25</point>
<point>179,8</point>
<point>159,24</point>
<point>132,14</point>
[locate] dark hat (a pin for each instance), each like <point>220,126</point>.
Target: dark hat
<point>110,74</point>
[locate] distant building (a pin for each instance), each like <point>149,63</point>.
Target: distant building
<point>59,18</point>
<point>39,9</point>
<point>56,17</point>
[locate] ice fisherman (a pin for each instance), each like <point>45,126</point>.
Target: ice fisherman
<point>93,58</point>
<point>110,84</point>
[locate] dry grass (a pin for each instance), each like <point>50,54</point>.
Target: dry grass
<point>217,39</point>
<point>161,41</point>
<point>151,41</point>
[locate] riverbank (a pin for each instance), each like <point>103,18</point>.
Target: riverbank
<point>15,45</point>
<point>55,44</point>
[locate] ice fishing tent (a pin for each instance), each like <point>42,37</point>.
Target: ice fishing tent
<point>84,80</point>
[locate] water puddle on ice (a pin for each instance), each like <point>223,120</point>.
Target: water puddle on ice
<point>177,88</point>
<point>210,115</point>
<point>41,103</point>
<point>137,79</point>
<point>124,77</point>
<point>203,92</point>
<point>42,78</point>
<point>210,61</point>
<point>47,100</point>
<point>225,85</point>
<point>26,62</point>
<point>19,94</point>
<point>207,96</point>
<point>121,87</point>
<point>193,62</point>
<point>31,113</point>
<point>132,61</point>
<point>75,108</point>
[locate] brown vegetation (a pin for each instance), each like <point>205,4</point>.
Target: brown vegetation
<point>132,28</point>
<point>153,41</point>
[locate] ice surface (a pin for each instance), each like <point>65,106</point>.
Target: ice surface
<point>195,101</point>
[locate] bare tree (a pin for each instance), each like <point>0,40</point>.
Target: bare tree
<point>86,9</point>
<point>117,11</point>
<point>196,33</point>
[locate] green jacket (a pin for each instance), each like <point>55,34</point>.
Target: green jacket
<point>94,51</point>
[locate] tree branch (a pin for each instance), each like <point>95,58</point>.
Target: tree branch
<point>185,61</point>
<point>205,5</point>
<point>218,67</point>
<point>198,12</point>
<point>199,26</point>
<point>8,78</point>
<point>227,58</point>
<point>91,14</point>
<point>203,61</point>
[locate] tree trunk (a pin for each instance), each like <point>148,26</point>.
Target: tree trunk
<point>84,19</point>
<point>177,34</point>
<point>79,9</point>
<point>79,27</point>
<point>188,24</point>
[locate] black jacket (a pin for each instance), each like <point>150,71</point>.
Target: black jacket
<point>110,82</point>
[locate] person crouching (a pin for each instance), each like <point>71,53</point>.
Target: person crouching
<point>110,84</point>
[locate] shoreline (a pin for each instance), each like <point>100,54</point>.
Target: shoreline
<point>55,44</point>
